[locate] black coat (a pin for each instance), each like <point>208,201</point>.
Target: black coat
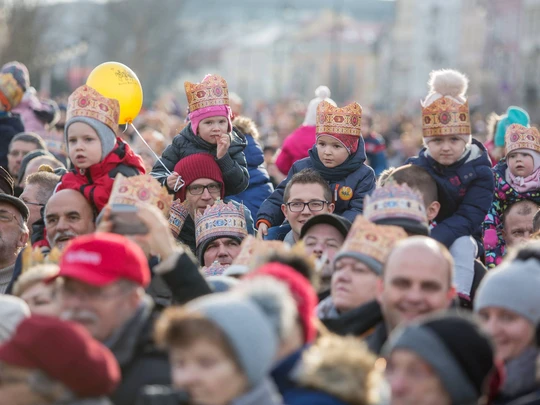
<point>10,125</point>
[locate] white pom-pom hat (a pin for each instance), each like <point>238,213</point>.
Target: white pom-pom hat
<point>321,93</point>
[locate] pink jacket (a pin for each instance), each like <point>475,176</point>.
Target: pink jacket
<point>296,147</point>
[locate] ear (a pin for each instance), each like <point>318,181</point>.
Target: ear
<point>284,210</point>
<point>503,233</point>
<point>380,289</point>
<point>23,240</point>
<point>433,210</point>
<point>331,207</point>
<point>451,294</point>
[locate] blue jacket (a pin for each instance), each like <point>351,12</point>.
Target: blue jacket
<point>260,187</point>
<point>465,193</point>
<point>376,152</point>
<point>350,182</point>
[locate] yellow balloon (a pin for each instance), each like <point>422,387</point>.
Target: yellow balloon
<point>115,80</point>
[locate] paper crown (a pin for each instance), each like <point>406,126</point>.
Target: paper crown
<point>370,240</point>
<point>519,137</point>
<point>215,269</point>
<point>177,216</point>
<point>87,102</point>
<point>446,116</point>
<point>211,91</point>
<point>220,220</point>
<point>34,257</point>
<point>334,120</point>
<point>140,189</point>
<point>394,201</point>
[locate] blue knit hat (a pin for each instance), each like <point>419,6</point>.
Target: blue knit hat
<point>514,115</point>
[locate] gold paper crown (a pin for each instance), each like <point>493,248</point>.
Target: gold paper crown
<point>374,241</point>
<point>140,189</point>
<point>34,257</point>
<point>211,91</point>
<point>87,102</point>
<point>343,121</point>
<point>220,220</point>
<point>446,116</point>
<point>178,215</point>
<point>519,137</point>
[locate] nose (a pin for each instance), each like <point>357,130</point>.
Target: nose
<point>318,249</point>
<point>414,295</point>
<point>398,383</point>
<point>222,252</point>
<point>185,377</point>
<point>343,275</point>
<point>206,194</point>
<point>62,225</point>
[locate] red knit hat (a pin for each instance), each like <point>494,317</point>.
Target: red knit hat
<point>301,290</point>
<point>66,352</point>
<point>350,142</point>
<point>198,166</point>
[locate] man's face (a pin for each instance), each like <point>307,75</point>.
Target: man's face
<point>30,198</point>
<point>300,194</point>
<point>17,151</point>
<point>517,228</point>
<point>101,310</point>
<point>224,250</point>
<point>207,196</point>
<point>67,217</point>
<point>412,381</point>
<point>12,237</point>
<point>411,288</point>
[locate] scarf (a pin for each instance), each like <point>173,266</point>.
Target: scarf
<point>334,174</point>
<point>521,374</point>
<point>524,184</point>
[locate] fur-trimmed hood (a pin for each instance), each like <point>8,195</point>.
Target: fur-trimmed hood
<point>246,126</point>
<point>342,367</point>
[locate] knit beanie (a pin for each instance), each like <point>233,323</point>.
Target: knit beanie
<point>535,155</point>
<point>197,116</point>
<point>514,286</point>
<point>248,328</point>
<point>198,166</point>
<point>321,93</point>
<point>19,72</point>
<point>106,135</point>
<point>463,361</point>
<point>514,115</point>
<point>12,311</point>
<point>301,290</point>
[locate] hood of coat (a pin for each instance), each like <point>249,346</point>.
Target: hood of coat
<point>342,367</point>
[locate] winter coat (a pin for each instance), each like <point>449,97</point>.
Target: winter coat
<point>295,147</point>
<point>376,152</point>
<point>350,182</point>
<point>503,197</point>
<point>465,193</point>
<point>36,113</point>
<point>264,393</point>
<point>378,338</point>
<point>260,187</point>
<point>96,182</point>
<point>10,125</point>
<point>233,165</point>
<point>141,362</point>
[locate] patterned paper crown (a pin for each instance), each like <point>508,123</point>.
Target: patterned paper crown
<point>334,120</point>
<point>374,241</point>
<point>87,102</point>
<point>220,220</point>
<point>140,189</point>
<point>445,116</point>
<point>211,91</point>
<point>34,257</point>
<point>395,201</point>
<point>177,216</point>
<point>519,137</point>
<point>215,269</point>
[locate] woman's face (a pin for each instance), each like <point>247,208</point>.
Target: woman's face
<point>511,333</point>
<point>207,373</point>
<point>43,299</point>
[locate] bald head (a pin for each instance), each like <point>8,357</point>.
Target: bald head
<point>411,287</point>
<point>67,215</point>
<point>518,222</point>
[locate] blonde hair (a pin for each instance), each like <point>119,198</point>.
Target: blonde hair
<point>34,275</point>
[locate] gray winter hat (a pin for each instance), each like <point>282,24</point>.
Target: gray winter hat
<point>106,134</point>
<point>12,311</point>
<point>514,286</point>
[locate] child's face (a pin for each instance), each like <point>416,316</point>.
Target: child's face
<point>446,150</point>
<point>520,164</point>
<point>211,128</point>
<point>84,145</point>
<point>331,152</point>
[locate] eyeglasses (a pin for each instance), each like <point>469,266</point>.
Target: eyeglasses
<point>198,189</point>
<point>314,205</point>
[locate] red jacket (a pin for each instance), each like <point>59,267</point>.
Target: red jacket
<point>295,147</point>
<point>96,182</point>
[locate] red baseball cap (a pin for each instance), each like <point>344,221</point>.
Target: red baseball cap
<point>102,258</point>
<point>66,352</point>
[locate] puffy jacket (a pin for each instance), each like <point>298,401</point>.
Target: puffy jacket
<point>96,182</point>
<point>233,165</point>
<point>295,147</point>
<point>503,197</point>
<point>10,125</point>
<point>350,182</point>
<point>260,187</point>
<point>465,193</point>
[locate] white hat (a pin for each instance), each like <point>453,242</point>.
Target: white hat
<point>322,93</point>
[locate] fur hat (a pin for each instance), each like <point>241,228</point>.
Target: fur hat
<point>321,93</point>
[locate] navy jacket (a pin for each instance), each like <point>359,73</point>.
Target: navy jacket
<point>233,165</point>
<point>10,125</point>
<point>350,182</point>
<point>465,193</point>
<point>260,187</point>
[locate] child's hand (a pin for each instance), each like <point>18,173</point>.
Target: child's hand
<point>262,231</point>
<point>171,180</point>
<point>223,144</point>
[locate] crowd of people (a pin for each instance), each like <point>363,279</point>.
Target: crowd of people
<point>199,261</point>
